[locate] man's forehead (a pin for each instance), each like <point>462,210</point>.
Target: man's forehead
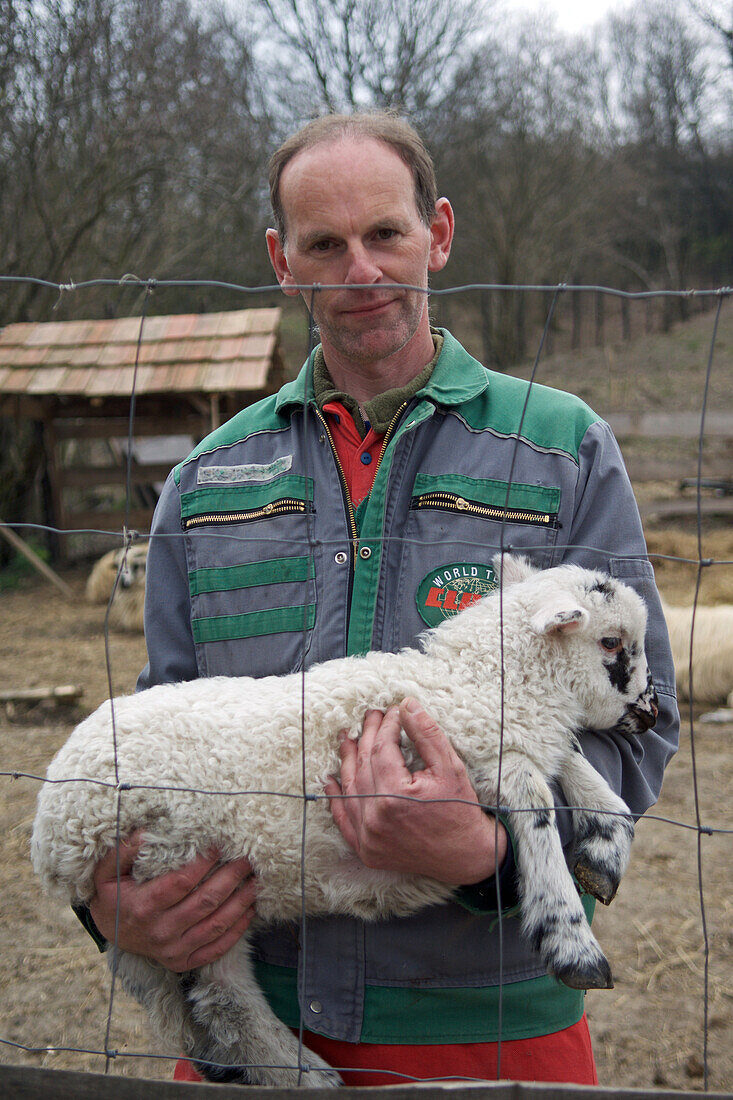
<point>343,169</point>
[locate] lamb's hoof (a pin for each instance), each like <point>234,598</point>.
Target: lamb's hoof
<point>321,1079</point>
<point>219,1075</point>
<point>600,884</point>
<point>594,974</point>
<point>315,1078</point>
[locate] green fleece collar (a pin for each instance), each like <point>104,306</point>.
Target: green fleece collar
<point>382,408</point>
<point>456,378</point>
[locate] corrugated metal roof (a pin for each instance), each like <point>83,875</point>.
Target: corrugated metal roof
<point>191,352</point>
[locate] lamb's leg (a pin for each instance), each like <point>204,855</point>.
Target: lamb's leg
<point>234,1034</point>
<point>552,914</point>
<point>604,828</point>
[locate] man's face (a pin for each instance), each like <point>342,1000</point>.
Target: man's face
<point>351,218</point>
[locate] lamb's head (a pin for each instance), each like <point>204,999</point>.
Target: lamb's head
<point>592,630</point>
<point>133,565</point>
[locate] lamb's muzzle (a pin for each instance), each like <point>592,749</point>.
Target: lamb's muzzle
<point>646,708</point>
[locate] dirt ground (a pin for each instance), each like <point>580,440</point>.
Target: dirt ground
<point>649,1031</point>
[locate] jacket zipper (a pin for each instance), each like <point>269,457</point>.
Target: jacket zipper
<point>283,507</point>
<point>347,495</point>
<point>388,435</point>
<point>452,502</point>
<point>344,484</point>
<point>350,513</point>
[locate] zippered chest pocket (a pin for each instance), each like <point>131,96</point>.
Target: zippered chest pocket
<point>488,499</point>
<point>459,505</point>
<point>455,526</point>
<point>222,507</point>
<point>252,568</point>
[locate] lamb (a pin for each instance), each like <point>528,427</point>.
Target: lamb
<point>573,656</point>
<point>712,651</point>
<point>126,612</point>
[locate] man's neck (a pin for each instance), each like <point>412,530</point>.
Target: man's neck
<point>380,411</point>
<point>364,381</point>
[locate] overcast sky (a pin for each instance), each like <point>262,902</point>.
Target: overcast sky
<point>572,15</point>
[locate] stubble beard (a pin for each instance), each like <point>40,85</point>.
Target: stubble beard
<point>370,344</point>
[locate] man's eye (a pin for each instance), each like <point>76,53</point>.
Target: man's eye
<point>612,645</point>
<point>321,246</point>
<point>385,234</point>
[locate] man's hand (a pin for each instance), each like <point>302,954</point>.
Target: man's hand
<point>182,919</point>
<point>453,841</point>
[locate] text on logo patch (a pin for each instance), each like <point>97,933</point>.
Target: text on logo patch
<point>450,588</point>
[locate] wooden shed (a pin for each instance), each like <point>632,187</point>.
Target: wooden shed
<point>75,379</point>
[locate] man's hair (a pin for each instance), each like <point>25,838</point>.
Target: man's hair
<point>384,126</point>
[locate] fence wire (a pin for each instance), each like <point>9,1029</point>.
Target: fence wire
<point>128,537</point>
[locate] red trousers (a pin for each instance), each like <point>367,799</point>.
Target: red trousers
<point>564,1057</point>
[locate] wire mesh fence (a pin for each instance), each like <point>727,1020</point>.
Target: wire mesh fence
<point>705,822</point>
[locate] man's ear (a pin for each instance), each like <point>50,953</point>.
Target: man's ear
<point>441,235</point>
<point>279,263</point>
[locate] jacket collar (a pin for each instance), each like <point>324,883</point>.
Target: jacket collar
<point>457,377</point>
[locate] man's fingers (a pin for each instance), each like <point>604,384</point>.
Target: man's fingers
<point>426,735</point>
<point>381,756</point>
<point>340,810</point>
<point>213,949</point>
<point>348,752</point>
<point>212,936</point>
<point>107,869</point>
<point>201,885</point>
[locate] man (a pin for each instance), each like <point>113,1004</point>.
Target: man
<point>362,503</point>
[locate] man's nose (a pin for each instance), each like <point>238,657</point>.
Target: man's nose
<point>360,267</point>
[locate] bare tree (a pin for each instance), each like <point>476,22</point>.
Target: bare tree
<point>133,137</point>
<point>346,54</point>
<point>522,173</point>
<point>670,191</point>
<point>718,16</point>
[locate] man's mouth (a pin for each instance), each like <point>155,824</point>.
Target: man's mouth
<point>373,306</point>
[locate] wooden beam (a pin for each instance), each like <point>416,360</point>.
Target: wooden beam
<point>675,425</point>
<point>104,427</point>
<point>643,469</point>
<point>686,507</point>
<point>38,564</point>
<point>33,1083</point>
<point>83,477</point>
<point>53,469</point>
<point>64,695</point>
<point>111,521</point>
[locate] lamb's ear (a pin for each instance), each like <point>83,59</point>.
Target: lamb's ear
<point>512,568</point>
<point>559,616</point>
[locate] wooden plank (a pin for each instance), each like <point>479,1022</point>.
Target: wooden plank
<point>680,425</point>
<point>686,506</point>
<point>643,469</point>
<point>110,520</point>
<point>38,564</point>
<point>32,1083</point>
<point>84,477</point>
<point>118,426</point>
<point>64,695</point>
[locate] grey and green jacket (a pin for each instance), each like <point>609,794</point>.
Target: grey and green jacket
<point>257,566</point>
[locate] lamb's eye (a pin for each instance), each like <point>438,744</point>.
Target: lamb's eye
<point>612,645</point>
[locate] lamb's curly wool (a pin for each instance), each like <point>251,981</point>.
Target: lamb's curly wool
<point>573,656</point>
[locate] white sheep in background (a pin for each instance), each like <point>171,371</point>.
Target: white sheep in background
<point>126,612</point>
<point>573,656</point>
<point>712,651</point>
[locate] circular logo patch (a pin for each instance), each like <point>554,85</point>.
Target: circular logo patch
<point>448,589</point>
